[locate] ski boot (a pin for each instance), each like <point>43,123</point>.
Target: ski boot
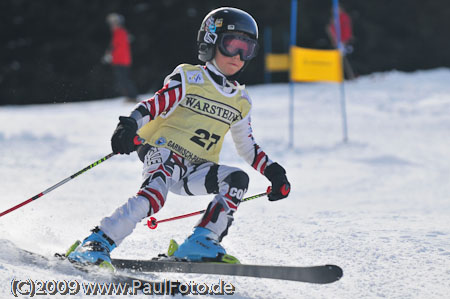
<point>202,246</point>
<point>94,250</point>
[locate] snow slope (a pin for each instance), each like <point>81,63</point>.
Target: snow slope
<point>378,206</point>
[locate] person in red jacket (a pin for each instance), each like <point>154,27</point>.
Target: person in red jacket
<point>346,38</point>
<point>119,56</point>
<point>345,26</point>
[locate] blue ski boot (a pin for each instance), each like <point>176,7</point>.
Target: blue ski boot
<point>94,250</point>
<point>202,246</point>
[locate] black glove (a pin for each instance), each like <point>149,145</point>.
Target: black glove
<point>122,140</point>
<point>280,184</point>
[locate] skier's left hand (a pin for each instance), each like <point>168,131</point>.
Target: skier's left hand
<point>280,184</point>
<point>123,139</point>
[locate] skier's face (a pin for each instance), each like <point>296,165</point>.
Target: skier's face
<point>228,65</point>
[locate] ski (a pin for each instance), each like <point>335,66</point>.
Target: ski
<point>313,274</point>
<point>320,274</point>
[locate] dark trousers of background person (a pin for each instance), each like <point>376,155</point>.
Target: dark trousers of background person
<point>349,73</point>
<point>124,83</point>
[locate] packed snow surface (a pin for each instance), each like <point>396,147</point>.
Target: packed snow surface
<point>378,205</point>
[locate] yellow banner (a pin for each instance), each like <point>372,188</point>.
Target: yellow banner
<point>277,62</point>
<point>315,65</point>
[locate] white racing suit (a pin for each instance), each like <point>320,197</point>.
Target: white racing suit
<point>184,126</point>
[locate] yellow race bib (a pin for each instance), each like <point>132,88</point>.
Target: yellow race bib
<point>197,127</point>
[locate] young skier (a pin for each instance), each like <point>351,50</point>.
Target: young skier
<point>184,125</point>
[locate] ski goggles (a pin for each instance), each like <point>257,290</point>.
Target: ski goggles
<point>231,44</point>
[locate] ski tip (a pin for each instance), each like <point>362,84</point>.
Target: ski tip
<point>336,270</point>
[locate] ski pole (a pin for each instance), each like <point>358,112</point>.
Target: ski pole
<point>58,184</point>
<point>152,223</point>
<point>137,141</point>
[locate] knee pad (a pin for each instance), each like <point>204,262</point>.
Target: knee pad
<point>238,179</point>
<point>238,184</point>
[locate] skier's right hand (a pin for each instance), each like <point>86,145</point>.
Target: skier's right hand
<point>280,184</point>
<point>123,138</point>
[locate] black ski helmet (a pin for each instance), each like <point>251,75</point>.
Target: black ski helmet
<point>218,21</point>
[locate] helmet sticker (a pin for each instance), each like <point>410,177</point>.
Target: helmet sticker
<point>218,22</point>
<point>210,37</point>
<point>230,27</point>
<point>209,25</point>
